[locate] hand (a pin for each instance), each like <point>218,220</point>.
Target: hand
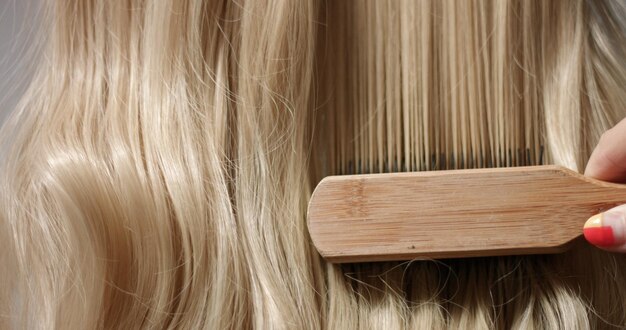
<point>608,163</point>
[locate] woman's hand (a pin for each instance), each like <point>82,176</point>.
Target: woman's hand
<point>608,163</point>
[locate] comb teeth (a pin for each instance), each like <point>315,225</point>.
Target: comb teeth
<point>403,89</point>
<point>441,162</point>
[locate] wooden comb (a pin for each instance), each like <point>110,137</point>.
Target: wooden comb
<point>458,213</point>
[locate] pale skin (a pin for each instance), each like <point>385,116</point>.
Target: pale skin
<point>608,163</point>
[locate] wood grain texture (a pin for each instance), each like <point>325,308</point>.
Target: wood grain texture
<point>449,214</point>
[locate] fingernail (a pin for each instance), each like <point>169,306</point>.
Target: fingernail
<point>606,229</point>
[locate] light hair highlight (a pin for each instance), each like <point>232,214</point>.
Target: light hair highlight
<point>157,172</point>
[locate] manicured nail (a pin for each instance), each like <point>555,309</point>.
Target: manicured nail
<point>606,229</point>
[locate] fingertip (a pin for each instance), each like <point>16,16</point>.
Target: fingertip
<point>598,167</point>
<point>607,230</point>
<point>608,160</point>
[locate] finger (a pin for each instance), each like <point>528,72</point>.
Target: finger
<point>608,230</point>
<point>608,160</point>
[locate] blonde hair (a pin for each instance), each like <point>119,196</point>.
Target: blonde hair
<point>159,167</point>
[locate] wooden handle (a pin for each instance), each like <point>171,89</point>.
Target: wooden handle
<point>449,214</point>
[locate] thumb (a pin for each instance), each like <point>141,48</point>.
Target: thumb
<point>608,230</point>
<point>608,160</point>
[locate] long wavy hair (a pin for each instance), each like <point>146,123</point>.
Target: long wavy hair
<point>156,173</point>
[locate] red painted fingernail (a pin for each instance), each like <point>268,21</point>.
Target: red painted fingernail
<point>605,229</point>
